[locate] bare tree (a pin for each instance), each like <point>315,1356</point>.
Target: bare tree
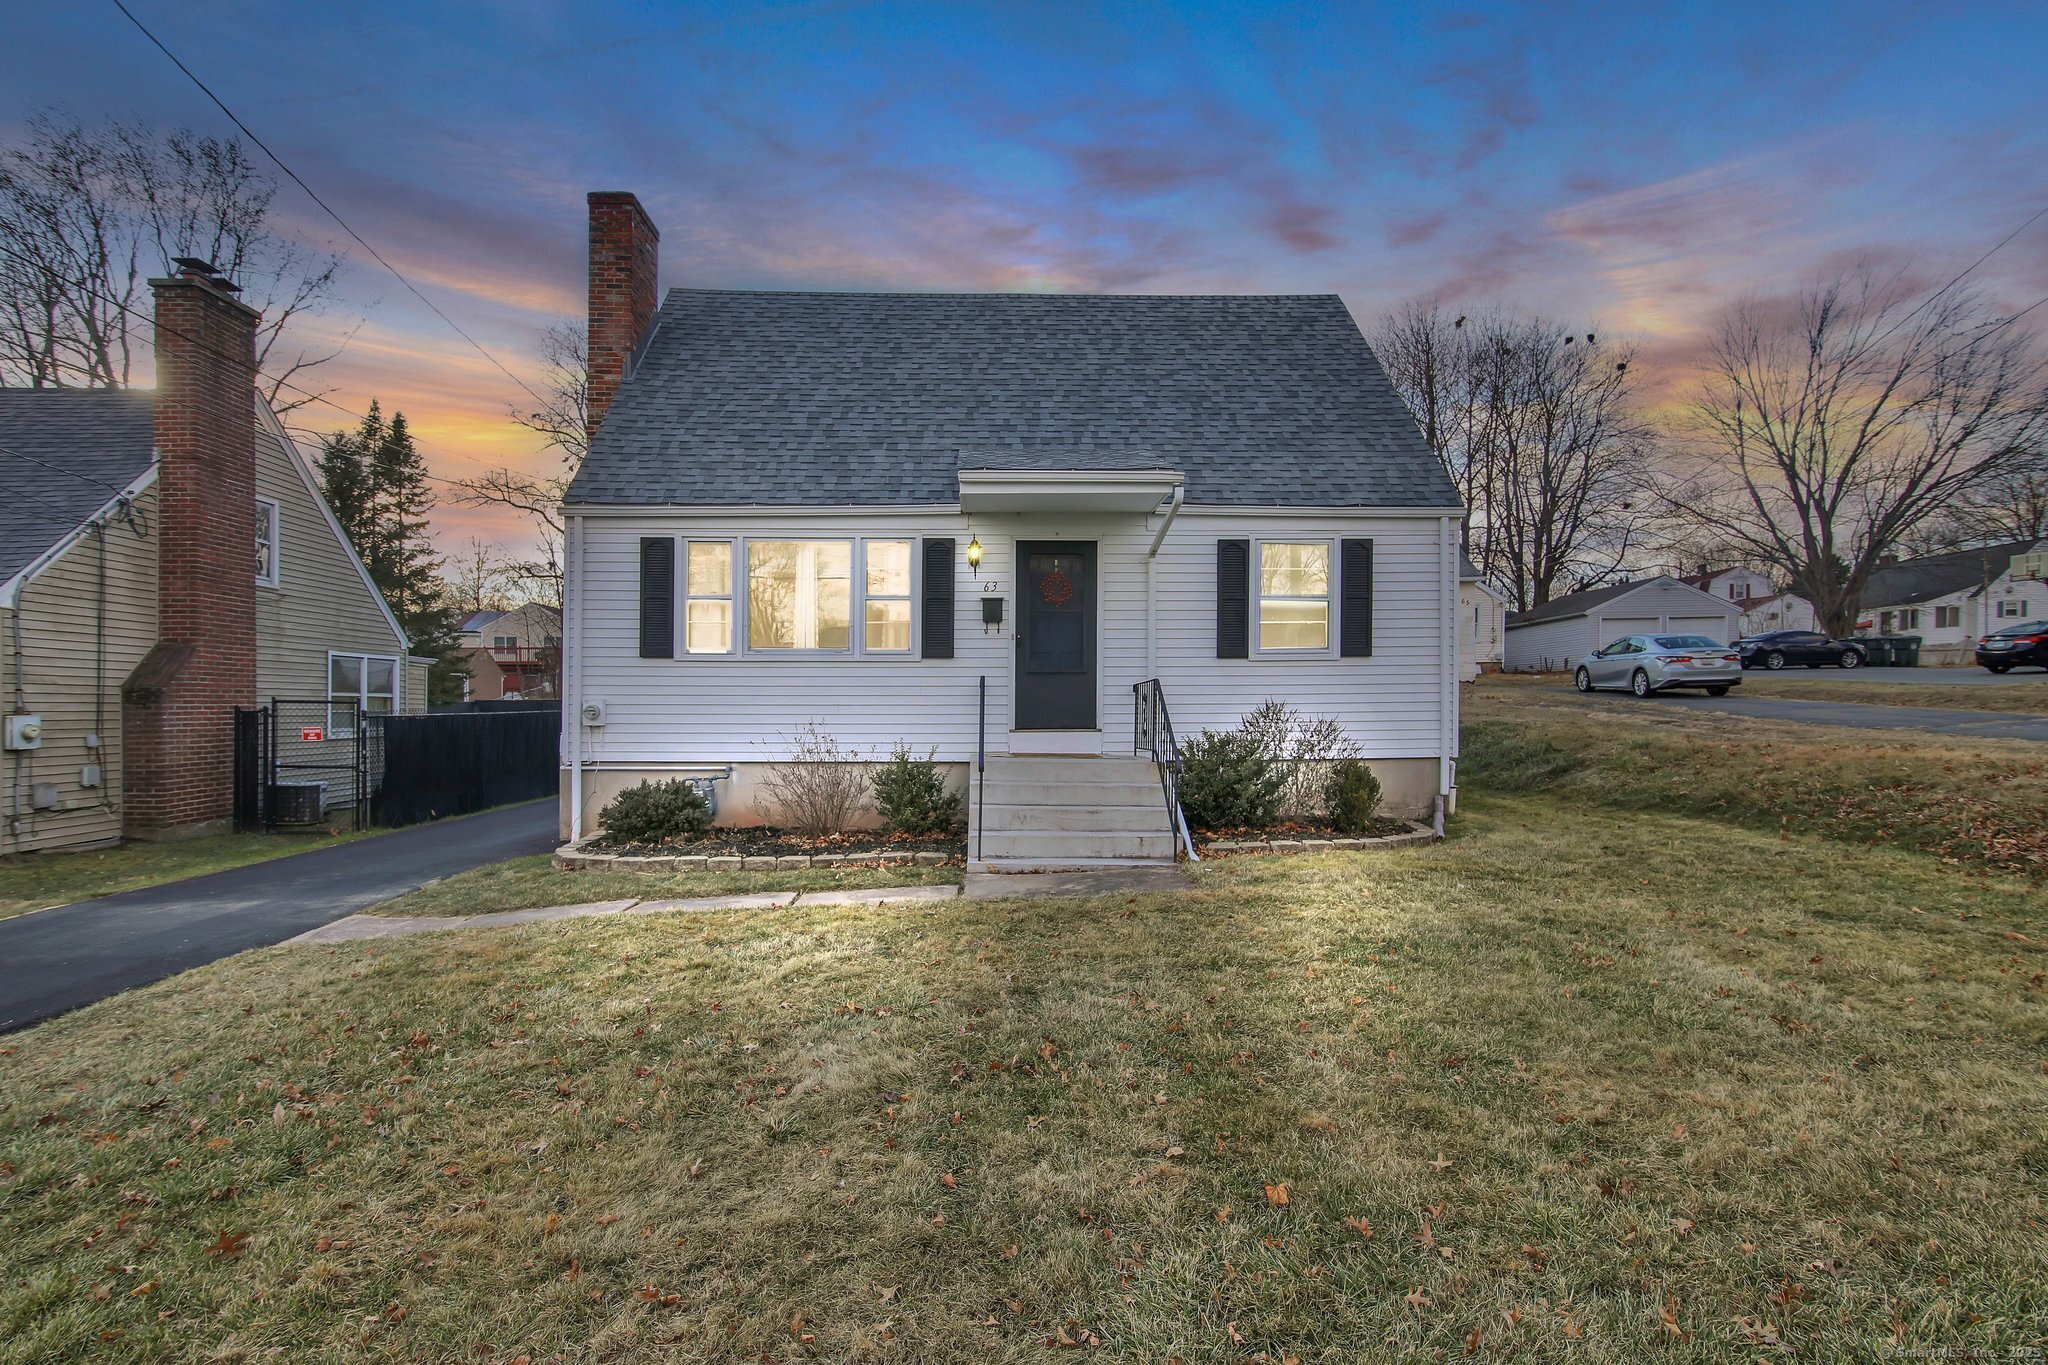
<point>88,214</point>
<point>477,579</point>
<point>1836,428</point>
<point>1538,428</point>
<point>560,419</point>
<point>2009,505</point>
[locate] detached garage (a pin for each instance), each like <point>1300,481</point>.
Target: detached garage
<point>1556,635</point>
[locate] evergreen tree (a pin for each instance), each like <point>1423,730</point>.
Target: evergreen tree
<point>376,482</point>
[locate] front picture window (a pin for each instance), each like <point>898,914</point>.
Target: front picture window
<point>1294,595</point>
<point>799,594</point>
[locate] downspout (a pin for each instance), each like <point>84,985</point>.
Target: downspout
<point>572,646</point>
<point>1173,503</point>
<point>1447,687</point>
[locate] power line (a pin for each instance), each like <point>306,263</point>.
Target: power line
<point>294,175</point>
<point>74,473</point>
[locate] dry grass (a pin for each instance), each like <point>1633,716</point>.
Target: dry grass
<point>527,883</point>
<point>1601,1085</point>
<point>36,881</point>
<point>1981,804</point>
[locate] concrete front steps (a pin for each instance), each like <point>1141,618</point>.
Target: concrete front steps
<point>1048,813</point>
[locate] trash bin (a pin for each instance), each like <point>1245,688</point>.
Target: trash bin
<point>1877,650</point>
<point>1906,651</point>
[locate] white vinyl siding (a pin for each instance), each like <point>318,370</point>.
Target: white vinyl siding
<point>744,707</point>
<point>321,602</point>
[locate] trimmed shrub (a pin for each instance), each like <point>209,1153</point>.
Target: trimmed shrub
<point>911,794</point>
<point>1227,782</point>
<point>656,812</point>
<point>1351,797</point>
<point>1303,747</point>
<point>817,790</point>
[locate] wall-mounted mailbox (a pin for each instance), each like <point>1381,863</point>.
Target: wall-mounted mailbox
<point>991,611</point>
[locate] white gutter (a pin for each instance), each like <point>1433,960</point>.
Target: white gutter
<point>572,627</point>
<point>10,591</point>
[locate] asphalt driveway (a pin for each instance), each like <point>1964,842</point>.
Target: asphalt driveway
<point>57,960</point>
<point>1855,715</point>
<point>1911,677</point>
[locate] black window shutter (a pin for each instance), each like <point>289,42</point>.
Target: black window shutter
<point>1354,610</point>
<point>657,597</point>
<point>938,597</point>
<point>1233,599</point>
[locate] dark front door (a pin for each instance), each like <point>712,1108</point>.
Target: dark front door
<point>1056,635</point>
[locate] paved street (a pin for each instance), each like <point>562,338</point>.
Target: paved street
<point>1855,715</point>
<point>1911,677</point>
<point>56,960</point>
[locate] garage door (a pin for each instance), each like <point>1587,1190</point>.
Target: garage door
<point>1715,628</point>
<point>1612,628</point>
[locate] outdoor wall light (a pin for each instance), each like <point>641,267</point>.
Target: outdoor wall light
<point>974,553</point>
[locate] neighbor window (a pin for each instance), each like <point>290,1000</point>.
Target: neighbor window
<point>266,542</point>
<point>1294,595</point>
<point>707,598</point>
<point>359,683</point>
<point>504,642</point>
<point>887,614</point>
<point>2011,610</point>
<point>800,594</point>
<point>1909,619</point>
<point>1947,618</point>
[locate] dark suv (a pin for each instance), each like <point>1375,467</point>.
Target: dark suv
<point>1781,648</point>
<point>2015,646</point>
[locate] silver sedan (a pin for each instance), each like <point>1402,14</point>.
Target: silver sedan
<point>1647,664</point>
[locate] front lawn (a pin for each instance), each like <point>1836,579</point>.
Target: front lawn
<point>528,883</point>
<point>1584,1083</point>
<point>36,881</point>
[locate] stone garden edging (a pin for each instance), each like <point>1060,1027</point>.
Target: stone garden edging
<point>1418,833</point>
<point>576,857</point>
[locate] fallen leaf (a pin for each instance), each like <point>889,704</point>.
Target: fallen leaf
<point>1276,1195</point>
<point>1416,1300</point>
<point>1442,1163</point>
<point>228,1246</point>
<point>1362,1226</point>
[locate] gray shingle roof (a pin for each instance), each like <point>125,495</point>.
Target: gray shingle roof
<point>822,399</point>
<point>98,440</point>
<point>1917,580</point>
<point>1579,603</point>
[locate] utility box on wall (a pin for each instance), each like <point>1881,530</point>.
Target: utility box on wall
<point>24,732</point>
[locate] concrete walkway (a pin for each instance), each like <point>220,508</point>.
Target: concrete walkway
<point>57,960</point>
<point>358,927</point>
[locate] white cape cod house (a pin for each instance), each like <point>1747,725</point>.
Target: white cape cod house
<point>978,523</point>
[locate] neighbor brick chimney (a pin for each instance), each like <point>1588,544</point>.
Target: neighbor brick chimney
<point>625,253</point>
<point>177,726</point>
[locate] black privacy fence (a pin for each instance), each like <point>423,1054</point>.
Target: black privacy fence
<point>454,762</point>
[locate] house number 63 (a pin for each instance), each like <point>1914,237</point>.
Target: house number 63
<point>989,586</point>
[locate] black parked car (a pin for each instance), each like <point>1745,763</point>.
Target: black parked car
<point>2015,646</point>
<point>1783,648</point>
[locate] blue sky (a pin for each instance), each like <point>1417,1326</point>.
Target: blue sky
<point>1633,166</point>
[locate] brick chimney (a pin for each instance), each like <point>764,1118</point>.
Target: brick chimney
<point>625,255</point>
<point>177,772</point>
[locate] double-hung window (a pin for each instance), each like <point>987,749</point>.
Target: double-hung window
<point>1947,618</point>
<point>887,619</point>
<point>707,597</point>
<point>266,542</point>
<point>2012,610</point>
<point>365,684</point>
<point>1294,596</point>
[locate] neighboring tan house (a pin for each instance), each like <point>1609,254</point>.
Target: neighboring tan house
<point>1482,623</point>
<point>989,524</point>
<point>512,654</point>
<point>1553,638</point>
<point>166,556</point>
<point>1952,600</point>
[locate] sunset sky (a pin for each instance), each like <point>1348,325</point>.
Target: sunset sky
<point>1636,167</point>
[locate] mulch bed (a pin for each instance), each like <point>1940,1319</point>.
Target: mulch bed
<point>762,841</point>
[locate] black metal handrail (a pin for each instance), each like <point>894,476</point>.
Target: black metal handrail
<point>1153,734</point>
<point>980,761</point>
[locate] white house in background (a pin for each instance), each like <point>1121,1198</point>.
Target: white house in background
<point>1779,611</point>
<point>1482,622</point>
<point>981,523</point>
<point>1951,600</point>
<point>1734,585</point>
<point>1555,636</point>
